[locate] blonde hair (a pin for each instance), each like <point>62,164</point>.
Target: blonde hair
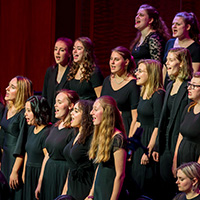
<point>102,138</point>
<point>154,81</point>
<point>191,170</point>
<point>24,91</point>
<point>72,97</point>
<point>184,57</point>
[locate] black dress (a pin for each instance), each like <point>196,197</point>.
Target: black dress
<point>106,172</point>
<point>127,99</point>
<point>189,149</point>
<point>34,148</point>
<point>81,174</point>
<point>51,86</point>
<point>151,48</point>
<point>148,115</point>
<point>14,138</point>
<point>56,168</point>
<point>85,89</point>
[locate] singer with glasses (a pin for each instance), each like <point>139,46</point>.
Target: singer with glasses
<point>188,143</point>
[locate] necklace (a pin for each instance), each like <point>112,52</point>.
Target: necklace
<point>121,81</point>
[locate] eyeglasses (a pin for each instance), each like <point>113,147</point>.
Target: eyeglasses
<point>138,71</point>
<point>192,86</point>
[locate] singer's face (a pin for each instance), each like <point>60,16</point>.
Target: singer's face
<point>30,119</point>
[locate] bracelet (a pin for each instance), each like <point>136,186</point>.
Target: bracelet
<point>90,197</point>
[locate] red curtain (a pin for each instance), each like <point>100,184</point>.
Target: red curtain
<point>27,36</point>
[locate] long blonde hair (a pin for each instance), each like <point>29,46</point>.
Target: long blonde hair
<point>102,138</point>
<point>154,81</point>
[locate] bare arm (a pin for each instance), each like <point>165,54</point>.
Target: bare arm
<point>196,67</point>
<point>14,176</point>
<point>120,165</point>
<point>134,119</point>
<point>174,166</point>
<point>98,91</point>
<point>24,168</point>
<point>65,188</point>
<point>37,191</point>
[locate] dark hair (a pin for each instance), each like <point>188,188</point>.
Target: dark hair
<point>191,19</point>
<point>158,24</point>
<point>40,109</point>
<point>126,54</point>
<point>89,60</point>
<point>86,123</point>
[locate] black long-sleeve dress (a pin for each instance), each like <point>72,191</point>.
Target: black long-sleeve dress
<point>14,131</point>
<point>51,86</point>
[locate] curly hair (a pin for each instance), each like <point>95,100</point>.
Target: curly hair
<point>158,24</point>
<point>102,138</point>
<point>24,91</point>
<point>40,109</point>
<point>154,82</point>
<point>72,97</point>
<point>184,57</point>
<point>191,19</point>
<point>87,127</point>
<point>89,61</point>
<point>126,54</point>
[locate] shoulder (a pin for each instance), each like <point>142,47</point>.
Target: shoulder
<point>180,196</point>
<point>119,141</point>
<point>159,92</point>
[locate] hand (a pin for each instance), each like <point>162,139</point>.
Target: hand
<point>155,156</point>
<point>37,191</point>
<point>144,159</point>
<point>14,180</point>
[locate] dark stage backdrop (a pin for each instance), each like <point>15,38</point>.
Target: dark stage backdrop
<point>28,29</point>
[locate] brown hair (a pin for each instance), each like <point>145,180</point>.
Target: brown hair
<point>89,61</point>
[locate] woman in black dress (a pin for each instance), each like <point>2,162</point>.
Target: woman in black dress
<point>81,173</point>
<point>188,181</point>
<point>85,76</point>
<point>152,35</point>
<point>121,85</point>
<point>55,168</point>
<point>14,130</point>
<point>38,115</point>
<point>56,76</point>
<point>149,76</point>
<point>188,143</point>
<point>179,67</point>
<point>108,150</point>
